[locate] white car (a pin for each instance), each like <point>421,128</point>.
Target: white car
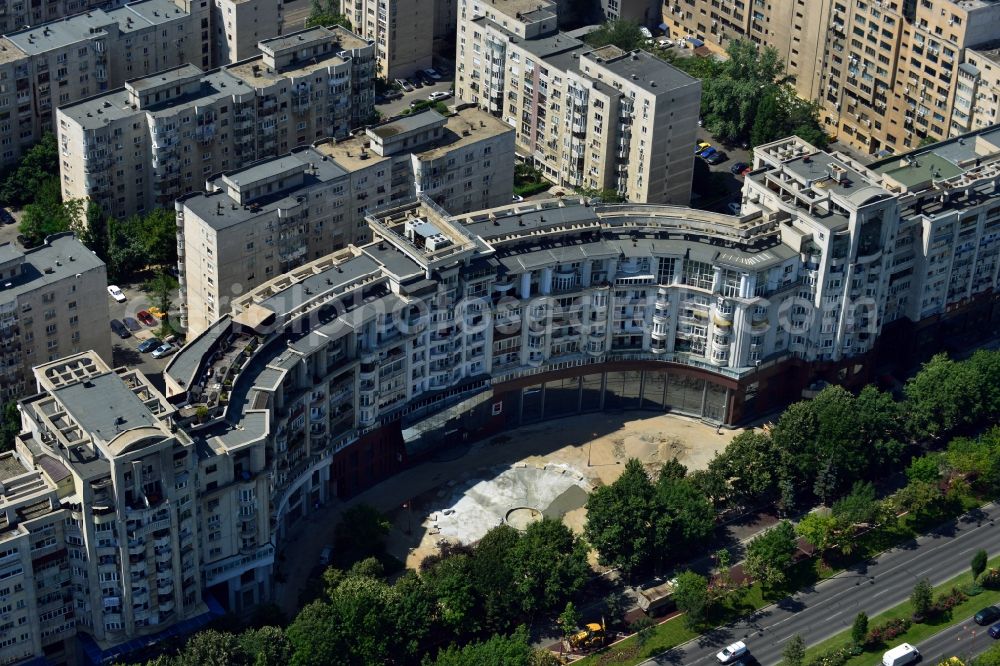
<point>163,350</point>
<point>116,293</point>
<point>439,95</point>
<point>732,652</point>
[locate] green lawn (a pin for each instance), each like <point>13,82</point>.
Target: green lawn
<point>916,632</point>
<point>672,633</point>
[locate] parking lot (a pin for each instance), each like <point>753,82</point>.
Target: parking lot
<point>125,351</point>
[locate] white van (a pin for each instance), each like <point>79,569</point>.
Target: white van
<point>900,655</point>
<point>646,33</point>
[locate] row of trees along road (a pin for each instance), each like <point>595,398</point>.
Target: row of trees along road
<point>466,605</point>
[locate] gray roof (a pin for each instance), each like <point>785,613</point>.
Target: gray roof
<point>525,221</point>
<point>395,262</point>
<point>9,252</point>
<point>63,255</point>
<point>180,73</point>
<point>331,279</point>
<point>408,123</point>
<point>185,363</point>
<point>215,86</point>
<point>251,427</point>
<point>206,205</point>
<point>104,405</point>
<point>96,112</point>
<point>651,73</point>
<point>60,34</point>
<point>146,12</point>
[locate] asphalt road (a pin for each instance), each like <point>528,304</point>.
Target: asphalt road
<point>964,640</point>
<point>294,15</point>
<point>872,587</point>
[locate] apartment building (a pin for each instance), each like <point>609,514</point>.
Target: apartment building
<point>977,95</point>
<point>34,565</point>
<point>260,222</point>
<point>587,118</point>
<point>59,63</point>
<point>53,302</point>
<point>18,14</point>
<point>893,73</point>
<point>240,24</point>
<point>161,136</point>
<point>643,12</point>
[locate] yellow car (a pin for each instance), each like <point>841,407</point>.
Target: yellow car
<point>702,145</point>
<point>156,312</point>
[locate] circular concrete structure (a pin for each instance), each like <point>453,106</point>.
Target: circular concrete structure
<point>520,517</point>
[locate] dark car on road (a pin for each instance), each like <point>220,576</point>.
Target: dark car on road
<point>149,344</point>
<point>132,324</point>
<point>738,168</point>
<point>716,158</point>
<point>119,328</point>
<point>988,615</point>
<point>995,630</point>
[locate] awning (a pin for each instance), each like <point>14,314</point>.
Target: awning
<point>664,27</point>
<point>695,42</point>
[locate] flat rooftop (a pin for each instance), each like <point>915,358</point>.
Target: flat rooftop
<point>350,153</point>
<point>335,278</point>
<point>256,73</point>
<point>464,128</point>
<point>10,466</point>
<point>514,7</point>
<point>640,69</point>
<point>60,258</point>
<point>105,406</point>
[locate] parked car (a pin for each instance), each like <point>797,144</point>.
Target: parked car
<point>431,72</point>
<point>145,318</point>
<point>738,168</point>
<point>731,653</point>
<point>646,33</point>
<point>439,95</point>
<point>518,198</point>
<point>717,157</point>
<point>416,82</point>
<point>326,555</point>
<point>163,350</point>
<point>708,152</point>
<point>700,146</point>
<point>116,293</point>
<point>156,312</point>
<point>149,344</point>
<point>988,615</point>
<point>120,330</point>
<point>404,84</point>
<point>901,655</point>
<point>132,324</point>
<point>995,630</point>
<point>6,217</point>
<point>666,43</point>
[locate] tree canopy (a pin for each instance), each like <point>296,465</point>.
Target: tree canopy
<point>769,555</point>
<point>624,34</point>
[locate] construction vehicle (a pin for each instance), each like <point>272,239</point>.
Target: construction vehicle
<point>592,636</point>
<point>657,599</point>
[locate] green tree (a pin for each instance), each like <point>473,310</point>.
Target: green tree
<point>548,564</point>
<point>326,14</point>
<point>859,629</point>
<point>691,596</point>
<point>212,648</point>
<point>731,97</point>
<point>859,506</point>
<point>569,619</point>
<point>926,468</point>
<point>315,637</point>
<point>10,425</point>
<point>35,173</point>
<point>922,599</point>
<point>370,567</point>
<point>978,564</point>
<point>361,532</point>
<point>769,555</point>
<point>643,630</point>
<point>49,215</point>
<point>682,518</point>
<point>450,582</point>
<point>794,653</point>
<point>942,396</point>
<point>917,497</point>
<point>750,463</point>
<point>414,614</point>
<point>819,530</point>
<point>626,35</point>
<point>619,517</point>
<point>607,196</point>
<point>362,608</point>
<point>491,575</point>
<point>266,646</point>
<point>161,288</point>
<point>768,125</point>
<point>498,650</point>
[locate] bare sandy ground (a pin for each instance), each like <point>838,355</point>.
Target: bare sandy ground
<point>535,465</point>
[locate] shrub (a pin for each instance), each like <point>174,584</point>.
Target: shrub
<point>948,600</point>
<point>837,657</point>
<point>886,632</point>
<point>991,579</point>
